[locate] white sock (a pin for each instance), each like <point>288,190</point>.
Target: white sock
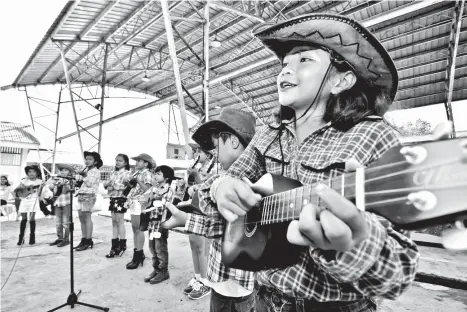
<point>198,277</point>
<point>206,282</point>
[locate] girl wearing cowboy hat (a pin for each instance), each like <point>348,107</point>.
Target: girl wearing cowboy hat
<point>115,187</point>
<point>29,190</point>
<point>91,177</point>
<point>142,181</point>
<point>336,82</point>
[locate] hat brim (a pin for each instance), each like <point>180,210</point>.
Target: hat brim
<point>203,135</point>
<point>353,42</point>
<point>67,167</point>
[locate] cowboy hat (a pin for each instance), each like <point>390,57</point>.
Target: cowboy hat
<point>238,122</point>
<point>353,43</point>
<point>70,168</point>
<point>96,157</point>
<point>35,168</point>
<point>146,158</point>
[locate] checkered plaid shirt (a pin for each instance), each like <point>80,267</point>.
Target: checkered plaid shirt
<point>382,265</point>
<point>118,181</point>
<point>164,193</point>
<point>144,176</point>
<point>217,271</point>
<point>91,182</point>
<point>64,198</point>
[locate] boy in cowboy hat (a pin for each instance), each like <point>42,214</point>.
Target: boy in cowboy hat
<point>161,192</point>
<point>28,190</point>
<point>142,181</point>
<point>336,82</point>
<point>61,190</point>
<point>232,289</point>
<point>87,196</point>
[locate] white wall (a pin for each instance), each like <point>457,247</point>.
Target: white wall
<point>16,173</point>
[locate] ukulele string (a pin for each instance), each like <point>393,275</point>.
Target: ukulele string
<point>368,204</point>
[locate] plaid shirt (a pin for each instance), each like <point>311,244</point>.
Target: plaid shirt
<point>118,181</point>
<point>91,182</point>
<point>217,271</point>
<point>137,193</point>
<point>162,193</point>
<point>64,198</point>
<point>382,265</point>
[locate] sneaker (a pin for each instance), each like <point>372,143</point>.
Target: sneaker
<point>188,288</point>
<point>199,291</point>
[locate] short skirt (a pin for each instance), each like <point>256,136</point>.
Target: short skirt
<point>118,204</point>
<point>86,202</point>
<point>29,205</point>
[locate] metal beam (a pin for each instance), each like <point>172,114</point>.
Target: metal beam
<point>83,34</point>
<point>62,52</point>
<point>206,59</point>
<point>67,10</point>
<point>173,55</point>
<point>53,169</point>
<point>451,60</point>
<point>186,19</point>
<point>227,8</point>
<point>101,111</point>
<point>193,89</point>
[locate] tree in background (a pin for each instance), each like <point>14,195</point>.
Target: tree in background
<point>409,128</point>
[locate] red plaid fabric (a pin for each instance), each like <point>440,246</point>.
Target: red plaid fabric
<point>383,265</point>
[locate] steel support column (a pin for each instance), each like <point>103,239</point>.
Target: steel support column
<point>206,61</point>
<point>67,77</point>
<point>34,128</point>
<point>178,82</point>
<point>101,111</point>
<point>53,170</point>
<point>451,61</point>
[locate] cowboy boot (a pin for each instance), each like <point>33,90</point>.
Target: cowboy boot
<point>81,243</point>
<point>138,259</point>
<point>22,229</point>
<point>32,236</point>
<point>132,262</point>
<point>113,249</point>
<point>122,247</point>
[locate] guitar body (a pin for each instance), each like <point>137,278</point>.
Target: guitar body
<point>249,245</point>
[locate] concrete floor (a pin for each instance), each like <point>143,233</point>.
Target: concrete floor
<point>40,279</point>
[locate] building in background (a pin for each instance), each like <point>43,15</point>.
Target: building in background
<point>16,141</point>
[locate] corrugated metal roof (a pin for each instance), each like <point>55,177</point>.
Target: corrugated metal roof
<point>134,31</point>
<point>17,133</point>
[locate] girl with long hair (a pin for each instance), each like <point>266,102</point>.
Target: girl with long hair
<point>91,177</point>
<point>116,185</point>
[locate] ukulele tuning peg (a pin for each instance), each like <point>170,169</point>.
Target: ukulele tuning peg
<point>414,154</point>
<point>423,200</point>
<point>456,238</point>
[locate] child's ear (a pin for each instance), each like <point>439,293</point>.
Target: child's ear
<point>235,141</point>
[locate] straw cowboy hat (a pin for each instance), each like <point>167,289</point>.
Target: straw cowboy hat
<point>234,121</point>
<point>146,158</point>
<point>344,38</point>
<point>70,168</point>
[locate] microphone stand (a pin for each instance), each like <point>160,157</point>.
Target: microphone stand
<point>73,297</point>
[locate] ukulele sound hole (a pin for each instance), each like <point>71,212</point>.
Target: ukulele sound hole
<point>252,219</point>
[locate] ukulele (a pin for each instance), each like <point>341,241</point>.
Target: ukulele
<point>413,187</point>
<point>23,192</point>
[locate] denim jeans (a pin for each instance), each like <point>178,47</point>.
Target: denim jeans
<point>62,215</point>
<point>220,303</point>
<point>159,251</point>
<point>269,300</point>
